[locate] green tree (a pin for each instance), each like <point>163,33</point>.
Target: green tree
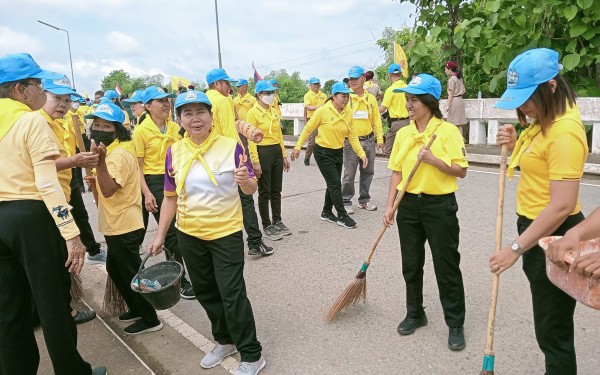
<point>327,86</point>
<point>114,78</point>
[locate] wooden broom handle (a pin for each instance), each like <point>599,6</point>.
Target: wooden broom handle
<point>399,197</point>
<point>81,146</point>
<point>489,344</point>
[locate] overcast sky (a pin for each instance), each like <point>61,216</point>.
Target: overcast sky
<point>322,38</point>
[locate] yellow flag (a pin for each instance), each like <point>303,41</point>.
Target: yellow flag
<point>400,59</point>
<point>85,94</point>
<point>177,82</point>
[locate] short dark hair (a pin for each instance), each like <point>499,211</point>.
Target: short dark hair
<point>7,87</point>
<point>99,92</point>
<point>432,103</point>
<point>121,133</point>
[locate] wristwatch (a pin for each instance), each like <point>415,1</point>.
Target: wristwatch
<point>516,247</point>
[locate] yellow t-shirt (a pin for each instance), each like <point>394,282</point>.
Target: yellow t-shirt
<point>276,105</point>
<point>152,145</point>
<point>127,122</point>
<point>80,114</point>
<point>314,99</point>
<point>223,114</point>
<point>365,115</point>
<point>267,120</point>
<point>243,104</point>
<point>64,176</point>
<point>448,146</point>
<point>395,102</point>
<point>64,131</point>
<point>559,155</point>
<point>333,127</point>
<point>121,213</point>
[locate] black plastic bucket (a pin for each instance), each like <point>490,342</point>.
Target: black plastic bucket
<point>168,274</point>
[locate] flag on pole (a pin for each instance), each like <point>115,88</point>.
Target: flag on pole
<point>177,82</point>
<point>118,90</point>
<point>400,59</point>
<point>256,75</point>
<point>85,94</point>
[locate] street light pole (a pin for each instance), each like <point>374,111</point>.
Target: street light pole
<point>218,37</point>
<point>69,44</point>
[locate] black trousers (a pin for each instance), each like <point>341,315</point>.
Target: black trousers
<point>216,269</point>
<point>270,183</point>
<point>81,217</point>
<point>431,218</point>
<point>330,162</point>
<point>553,309</point>
<point>32,267</point>
<point>122,264</point>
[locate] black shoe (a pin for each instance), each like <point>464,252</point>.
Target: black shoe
<point>187,291</point>
<point>84,316</point>
<point>346,222</point>
<point>100,371</point>
<point>307,161</point>
<point>261,249</point>
<point>409,325</point>
<point>328,216</point>
<point>128,317</point>
<point>140,326</point>
<point>456,339</point>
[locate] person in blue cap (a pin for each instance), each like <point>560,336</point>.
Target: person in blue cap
<point>395,104</point>
<point>36,225</point>
<point>136,104</point>
<point>313,100</point>
<point>551,152</point>
<point>427,212</point>
<point>210,234</point>
<point>243,101</point>
<point>114,97</point>
<point>277,102</point>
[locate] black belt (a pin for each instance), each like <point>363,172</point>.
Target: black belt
<point>367,137</point>
<point>429,196</point>
<point>398,119</point>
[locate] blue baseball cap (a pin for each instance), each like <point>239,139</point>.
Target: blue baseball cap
<point>80,99</point>
<point>314,81</point>
<point>61,86</point>
<point>18,66</point>
<point>136,97</point>
<point>264,85</point>
<point>356,72</point>
<point>108,111</point>
<point>394,69</point>
<point>192,97</point>
<point>525,73</point>
<point>241,82</point>
<point>273,82</point>
<point>111,94</point>
<point>340,88</point>
<point>154,92</point>
<point>218,75</point>
<point>423,84</point>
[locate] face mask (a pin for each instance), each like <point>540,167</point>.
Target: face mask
<point>268,99</point>
<point>105,137</point>
<point>75,105</point>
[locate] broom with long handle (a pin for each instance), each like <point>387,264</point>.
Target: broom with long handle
<point>488,358</point>
<point>357,289</point>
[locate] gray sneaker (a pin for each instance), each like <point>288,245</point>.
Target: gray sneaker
<point>367,206</point>
<point>273,233</point>
<point>349,209</point>
<point>251,368</point>
<point>282,228</point>
<point>217,355</point>
<point>96,259</point>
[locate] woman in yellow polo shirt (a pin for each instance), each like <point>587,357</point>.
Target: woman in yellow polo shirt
<point>136,102</point>
<point>36,223</point>
<point>269,160</point>
<point>152,138</point>
<point>204,172</point>
<point>428,210</point>
<point>551,152</point>
<point>334,122</point>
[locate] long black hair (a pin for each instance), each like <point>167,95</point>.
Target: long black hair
<point>432,103</point>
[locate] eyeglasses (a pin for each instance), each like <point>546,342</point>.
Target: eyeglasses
<point>37,84</point>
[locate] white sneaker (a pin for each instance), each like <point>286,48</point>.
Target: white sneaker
<point>251,368</point>
<point>217,355</point>
<point>349,210</point>
<point>367,206</point>
<point>96,259</point>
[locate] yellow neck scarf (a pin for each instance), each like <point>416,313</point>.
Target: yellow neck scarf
<point>128,146</point>
<point>193,152</point>
<point>60,123</point>
<point>414,138</point>
<point>340,115</point>
<point>10,112</point>
<point>522,145</point>
<point>150,125</point>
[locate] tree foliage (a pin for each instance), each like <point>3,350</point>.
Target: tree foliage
<point>129,84</point>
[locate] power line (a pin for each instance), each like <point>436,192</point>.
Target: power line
<point>328,58</point>
<point>321,52</point>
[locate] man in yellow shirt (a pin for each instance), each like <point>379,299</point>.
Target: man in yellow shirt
<point>395,104</point>
<point>313,99</point>
<point>367,123</point>
<point>243,101</point>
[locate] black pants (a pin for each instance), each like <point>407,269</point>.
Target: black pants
<point>217,273</point>
<point>32,267</point>
<point>431,218</point>
<point>81,217</point>
<point>553,309</point>
<point>270,183</point>
<point>330,163</point>
<point>122,264</point>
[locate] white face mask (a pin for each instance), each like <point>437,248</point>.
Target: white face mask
<point>268,99</point>
<point>75,105</point>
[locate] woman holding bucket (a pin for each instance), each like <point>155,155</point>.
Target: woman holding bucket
<point>204,171</point>
<point>551,152</point>
<point>428,209</point>
<point>120,211</point>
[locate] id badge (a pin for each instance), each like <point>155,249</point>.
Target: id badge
<point>361,115</point>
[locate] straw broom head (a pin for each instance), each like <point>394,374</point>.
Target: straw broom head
<point>113,303</point>
<point>76,287</point>
<point>354,293</point>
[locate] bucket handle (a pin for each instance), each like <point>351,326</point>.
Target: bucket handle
<point>168,255</point>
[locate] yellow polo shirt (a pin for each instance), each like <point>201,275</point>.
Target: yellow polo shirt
<point>152,145</point>
<point>80,114</point>
<point>365,115</point>
<point>223,114</point>
<point>314,99</point>
<point>449,147</point>
<point>127,122</point>
<point>395,102</point>
<point>64,176</point>
<point>558,155</point>
<point>276,105</point>
<point>64,131</point>
<point>243,104</point>
<point>334,127</point>
<point>267,121</point>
